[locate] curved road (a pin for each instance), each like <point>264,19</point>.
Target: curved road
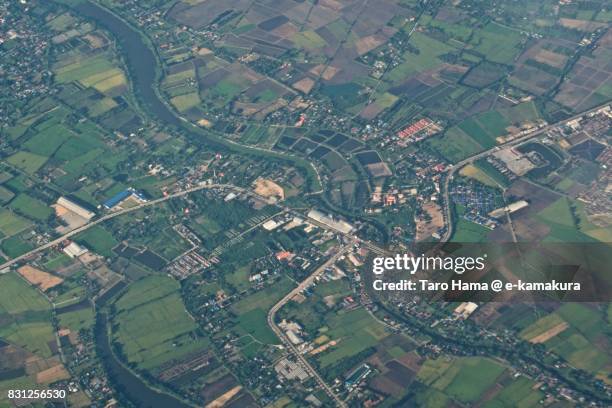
<point>279,333</point>
<point>519,140</point>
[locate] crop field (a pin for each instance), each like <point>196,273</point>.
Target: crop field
<point>474,172</point>
<point>255,134</point>
<point>497,43</point>
<point>265,298</point>
<point>106,80</point>
<point>255,324</point>
<point>31,207</point>
<point>98,240</point>
<point>26,161</point>
<point>337,288</point>
<point>47,141</point>
<point>356,330</point>
<point>308,39</point>
<point>6,195</point>
<point>19,297</point>
<point>466,231</point>
<point>84,68</point>
<point>577,333</point>
<point>186,101</point>
<point>11,223</point>
<point>558,212</point>
<point>567,223</point>
<point>518,392</point>
<point>465,379</point>
<point>455,145</point>
<point>479,132</point>
<point>26,316</point>
<point>459,31</point>
<point>476,131</point>
<point>542,326</point>
<point>492,173</point>
<point>152,325</point>
<point>168,243</point>
<point>101,106</point>
<point>430,49</point>
<point>15,246</point>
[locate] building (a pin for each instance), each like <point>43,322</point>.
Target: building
<point>510,208</point>
<point>290,370</point>
<point>338,225</point>
<point>357,376</point>
<point>122,196</point>
<point>270,225</point>
<point>464,310</point>
<point>74,250</point>
<point>75,208</point>
<point>230,197</point>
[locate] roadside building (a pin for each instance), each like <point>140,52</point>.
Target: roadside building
<point>74,250</point>
<point>75,208</point>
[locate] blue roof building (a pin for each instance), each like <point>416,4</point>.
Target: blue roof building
<point>119,197</point>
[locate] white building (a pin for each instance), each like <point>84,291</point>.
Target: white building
<point>338,225</point>
<point>74,250</point>
<point>75,208</point>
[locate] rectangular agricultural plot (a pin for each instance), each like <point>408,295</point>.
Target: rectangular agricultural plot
<point>11,223</point>
<point>31,207</point>
<point>46,142</point>
<point>497,43</point>
<point>427,57</point>
<point>355,331</point>
<point>466,379</point>
<point>84,67</point>
<point>152,324</point>
<point>27,316</point>
<point>26,161</point>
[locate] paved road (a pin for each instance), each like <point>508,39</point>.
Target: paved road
<point>232,187</point>
<point>106,218</point>
<point>471,159</point>
<point>281,335</point>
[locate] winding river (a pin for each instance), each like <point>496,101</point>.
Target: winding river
<point>140,59</point>
<point>143,63</point>
<point>123,380</point>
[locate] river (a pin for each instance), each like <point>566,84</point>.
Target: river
<point>123,380</point>
<point>139,58</point>
<point>142,63</point>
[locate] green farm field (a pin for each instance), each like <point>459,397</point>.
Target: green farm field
<point>26,316</point>
<point>356,330</point>
<point>26,161</point>
<point>152,325</point>
<point>465,379</point>
<point>11,223</point>
<point>31,207</point>
<point>98,240</point>
<point>583,341</point>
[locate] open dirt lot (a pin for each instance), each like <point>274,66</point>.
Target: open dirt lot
<point>39,278</point>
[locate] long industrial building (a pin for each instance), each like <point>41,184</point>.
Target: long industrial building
<point>339,225</point>
<point>75,208</point>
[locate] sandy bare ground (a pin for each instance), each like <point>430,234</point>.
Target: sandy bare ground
<point>268,188</point>
<point>583,25</point>
<point>52,374</point>
<point>550,333</point>
<point>304,85</point>
<point>37,277</point>
<point>224,399</point>
<point>326,72</point>
<point>366,44</point>
<point>424,229</point>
